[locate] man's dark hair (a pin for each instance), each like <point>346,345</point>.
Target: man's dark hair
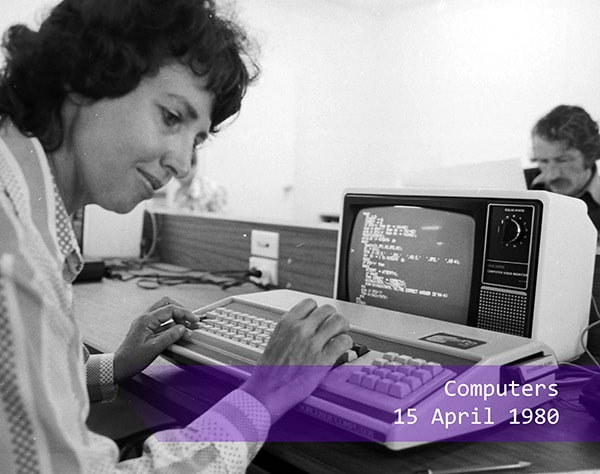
<point>103,48</point>
<point>573,126</point>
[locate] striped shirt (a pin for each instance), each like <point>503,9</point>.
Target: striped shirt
<point>44,397</point>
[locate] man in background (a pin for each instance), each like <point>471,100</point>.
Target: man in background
<point>566,145</point>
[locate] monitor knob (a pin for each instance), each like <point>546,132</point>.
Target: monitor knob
<point>510,230</point>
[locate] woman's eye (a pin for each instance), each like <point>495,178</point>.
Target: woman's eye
<point>170,119</point>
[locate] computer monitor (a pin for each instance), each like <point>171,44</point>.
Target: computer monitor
<point>516,262</point>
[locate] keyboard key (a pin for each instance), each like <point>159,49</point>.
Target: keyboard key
<point>424,375</point>
<point>360,349</point>
<point>383,385</point>
<point>395,376</point>
<point>434,367</point>
<point>356,377</point>
<point>380,372</point>
<point>402,359</point>
<point>414,382</point>
<point>347,356</point>
<point>390,356</point>
<point>405,369</point>
<point>352,354</point>
<point>399,390</point>
<point>369,381</point>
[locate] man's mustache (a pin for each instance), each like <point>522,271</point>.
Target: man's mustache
<point>541,179</point>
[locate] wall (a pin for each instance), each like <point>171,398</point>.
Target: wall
<point>359,92</point>
<point>385,87</point>
<point>471,87</point>
<point>303,114</point>
<point>306,254</point>
<point>19,11</point>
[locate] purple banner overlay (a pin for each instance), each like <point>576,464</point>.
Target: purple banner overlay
<point>396,406</point>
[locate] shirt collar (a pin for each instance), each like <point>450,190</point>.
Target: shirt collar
<point>593,186</point>
<point>67,242</point>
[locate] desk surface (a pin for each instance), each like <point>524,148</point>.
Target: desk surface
<point>105,310</point>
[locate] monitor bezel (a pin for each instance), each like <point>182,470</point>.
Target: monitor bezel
<point>461,203</point>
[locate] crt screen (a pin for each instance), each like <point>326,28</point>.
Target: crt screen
<point>412,259</point>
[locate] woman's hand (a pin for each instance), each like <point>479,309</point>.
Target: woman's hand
<point>151,333</point>
<point>303,347</point>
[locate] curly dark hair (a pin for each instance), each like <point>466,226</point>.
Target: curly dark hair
<point>103,48</point>
<point>573,126</point>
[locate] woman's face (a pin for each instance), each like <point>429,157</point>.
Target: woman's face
<point>124,149</point>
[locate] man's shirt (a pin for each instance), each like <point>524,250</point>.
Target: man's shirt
<point>590,193</point>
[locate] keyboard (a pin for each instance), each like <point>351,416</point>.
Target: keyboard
<point>368,388</point>
<point>243,334</point>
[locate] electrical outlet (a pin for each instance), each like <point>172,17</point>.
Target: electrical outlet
<point>264,244</point>
<point>268,269</point>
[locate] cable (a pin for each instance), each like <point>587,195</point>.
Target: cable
<point>130,269</point>
<point>582,339</point>
<point>155,280</point>
<point>587,329</point>
<point>589,372</point>
<point>596,312</point>
<point>126,270</point>
<point>575,367</point>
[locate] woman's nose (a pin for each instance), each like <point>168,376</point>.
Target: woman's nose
<point>178,159</point>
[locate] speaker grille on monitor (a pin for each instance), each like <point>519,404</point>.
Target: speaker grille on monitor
<point>503,312</point>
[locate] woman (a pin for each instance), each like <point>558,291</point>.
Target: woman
<point>104,104</point>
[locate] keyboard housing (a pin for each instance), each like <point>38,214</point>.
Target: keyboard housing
<point>409,360</point>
